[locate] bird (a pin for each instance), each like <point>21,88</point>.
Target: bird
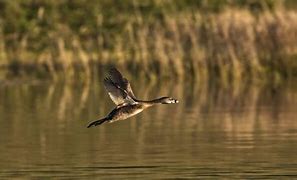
<point>127,105</point>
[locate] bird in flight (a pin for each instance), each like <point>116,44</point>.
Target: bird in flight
<point>127,105</point>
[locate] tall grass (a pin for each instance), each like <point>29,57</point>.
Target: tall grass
<point>231,45</point>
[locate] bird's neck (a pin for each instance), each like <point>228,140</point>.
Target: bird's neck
<point>151,102</point>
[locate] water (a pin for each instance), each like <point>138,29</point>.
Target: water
<point>214,132</point>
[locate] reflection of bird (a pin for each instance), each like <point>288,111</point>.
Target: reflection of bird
<point>121,94</point>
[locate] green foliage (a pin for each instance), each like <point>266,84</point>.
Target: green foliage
<point>21,16</point>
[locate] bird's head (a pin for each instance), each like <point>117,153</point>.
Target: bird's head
<point>168,100</point>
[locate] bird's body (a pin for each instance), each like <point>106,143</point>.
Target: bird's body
<point>124,112</point>
<point>120,92</point>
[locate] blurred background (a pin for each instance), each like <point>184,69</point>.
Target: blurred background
<point>230,40</point>
<point>232,64</point>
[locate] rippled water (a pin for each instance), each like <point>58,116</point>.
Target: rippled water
<point>216,132</point>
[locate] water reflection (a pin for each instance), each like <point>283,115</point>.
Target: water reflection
<point>215,131</point>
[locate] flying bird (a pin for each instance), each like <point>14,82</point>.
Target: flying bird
<point>127,105</point>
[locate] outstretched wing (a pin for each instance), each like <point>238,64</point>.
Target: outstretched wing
<point>121,81</point>
<point>117,95</point>
<point>118,88</point>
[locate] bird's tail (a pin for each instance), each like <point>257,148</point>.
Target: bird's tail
<point>98,122</point>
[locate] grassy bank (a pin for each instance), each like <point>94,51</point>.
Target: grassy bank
<point>228,42</point>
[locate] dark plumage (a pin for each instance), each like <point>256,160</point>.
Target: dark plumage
<point>120,91</point>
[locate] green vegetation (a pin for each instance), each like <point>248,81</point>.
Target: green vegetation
<point>229,40</point>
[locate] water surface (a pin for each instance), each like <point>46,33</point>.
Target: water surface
<point>214,132</point>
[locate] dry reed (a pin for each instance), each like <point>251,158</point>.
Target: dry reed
<point>231,45</point>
